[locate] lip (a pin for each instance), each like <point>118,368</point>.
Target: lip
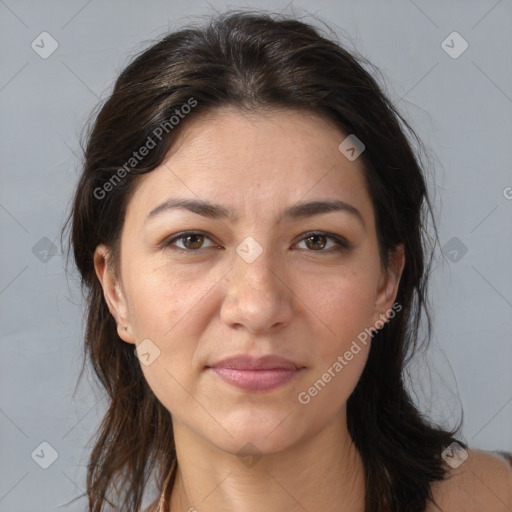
<point>256,374</point>
<point>247,362</point>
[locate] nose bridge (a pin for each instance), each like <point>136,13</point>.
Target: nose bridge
<point>255,269</point>
<point>257,296</point>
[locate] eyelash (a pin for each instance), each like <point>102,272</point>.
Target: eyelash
<point>342,243</point>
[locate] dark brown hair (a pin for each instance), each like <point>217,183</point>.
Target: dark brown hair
<point>252,61</point>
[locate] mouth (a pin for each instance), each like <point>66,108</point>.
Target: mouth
<point>256,380</point>
<point>256,374</point>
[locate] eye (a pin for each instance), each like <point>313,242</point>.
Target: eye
<point>192,241</point>
<point>316,241</point>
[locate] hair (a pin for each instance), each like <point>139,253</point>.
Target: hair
<point>254,61</point>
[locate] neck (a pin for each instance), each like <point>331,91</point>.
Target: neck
<point>324,472</point>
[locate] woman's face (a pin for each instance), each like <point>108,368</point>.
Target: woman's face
<point>255,282</point>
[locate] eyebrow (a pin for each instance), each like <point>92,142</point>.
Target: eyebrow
<point>217,211</point>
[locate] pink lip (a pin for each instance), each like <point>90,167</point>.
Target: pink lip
<point>256,374</point>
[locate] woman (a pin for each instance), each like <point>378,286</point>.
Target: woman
<point>249,225</point>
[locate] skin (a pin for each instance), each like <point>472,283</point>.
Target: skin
<point>483,482</point>
<point>293,300</point>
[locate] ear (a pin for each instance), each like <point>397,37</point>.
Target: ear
<point>112,291</point>
<point>388,284</point>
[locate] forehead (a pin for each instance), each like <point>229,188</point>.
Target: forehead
<point>257,161</point>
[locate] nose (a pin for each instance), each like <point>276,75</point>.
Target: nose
<point>258,296</point>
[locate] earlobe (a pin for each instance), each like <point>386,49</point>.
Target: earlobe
<point>112,292</point>
<point>125,333</point>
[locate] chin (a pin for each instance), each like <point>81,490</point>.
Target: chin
<point>263,433</point>
<point>256,444</point>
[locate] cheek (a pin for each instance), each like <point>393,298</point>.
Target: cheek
<point>343,307</point>
<point>171,311</point>
<point>162,300</point>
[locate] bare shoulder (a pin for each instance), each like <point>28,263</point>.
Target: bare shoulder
<point>483,483</point>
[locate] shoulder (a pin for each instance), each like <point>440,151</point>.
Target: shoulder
<point>482,482</point>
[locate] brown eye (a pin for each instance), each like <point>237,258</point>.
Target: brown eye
<point>188,242</point>
<point>193,241</point>
<point>316,241</point>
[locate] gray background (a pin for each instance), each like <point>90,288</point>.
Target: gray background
<point>461,107</point>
